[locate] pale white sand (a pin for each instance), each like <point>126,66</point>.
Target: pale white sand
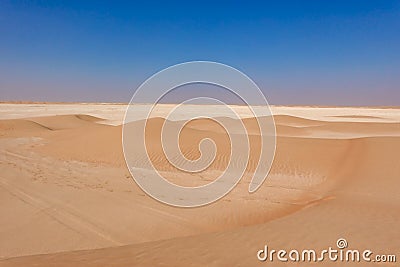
<point>114,113</point>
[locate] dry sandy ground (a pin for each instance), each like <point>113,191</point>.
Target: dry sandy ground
<point>67,198</point>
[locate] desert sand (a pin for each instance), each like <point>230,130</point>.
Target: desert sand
<point>67,197</point>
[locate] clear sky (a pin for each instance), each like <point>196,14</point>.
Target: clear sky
<point>298,52</point>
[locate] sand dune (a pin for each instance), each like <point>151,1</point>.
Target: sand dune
<point>70,201</point>
<point>60,122</point>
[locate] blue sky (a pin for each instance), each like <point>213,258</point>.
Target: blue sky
<point>298,52</point>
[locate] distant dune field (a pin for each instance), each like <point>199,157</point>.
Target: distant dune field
<point>67,198</point>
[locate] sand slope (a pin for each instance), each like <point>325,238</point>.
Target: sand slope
<point>64,186</point>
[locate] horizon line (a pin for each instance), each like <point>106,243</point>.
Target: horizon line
<point>24,102</point>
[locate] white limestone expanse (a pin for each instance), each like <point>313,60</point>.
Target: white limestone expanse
<point>114,113</point>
